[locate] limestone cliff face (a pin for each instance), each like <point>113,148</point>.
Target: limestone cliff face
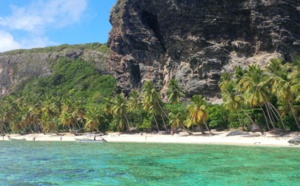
<point>16,67</point>
<point>195,40</point>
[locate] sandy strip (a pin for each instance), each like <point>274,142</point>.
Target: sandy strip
<point>253,139</point>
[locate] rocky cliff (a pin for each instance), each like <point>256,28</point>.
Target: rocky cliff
<point>19,66</point>
<point>195,40</point>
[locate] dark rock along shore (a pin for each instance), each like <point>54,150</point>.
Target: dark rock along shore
<point>195,40</point>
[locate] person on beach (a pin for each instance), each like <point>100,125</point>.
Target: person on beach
<point>60,138</point>
<point>172,132</point>
<point>94,138</point>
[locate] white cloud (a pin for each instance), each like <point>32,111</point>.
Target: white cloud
<point>35,18</point>
<point>7,42</point>
<point>41,14</point>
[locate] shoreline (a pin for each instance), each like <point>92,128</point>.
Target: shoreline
<point>218,138</point>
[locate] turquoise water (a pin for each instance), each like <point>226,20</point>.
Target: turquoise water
<point>72,163</point>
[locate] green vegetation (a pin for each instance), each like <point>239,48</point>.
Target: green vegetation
<point>90,46</point>
<point>77,97</point>
<point>266,97</point>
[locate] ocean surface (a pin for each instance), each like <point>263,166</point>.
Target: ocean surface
<point>74,163</point>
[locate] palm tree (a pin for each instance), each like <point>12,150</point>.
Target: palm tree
<point>152,102</point>
<point>197,111</point>
<point>69,107</point>
<point>174,93</point>
<point>92,119</point>
<point>35,112</point>
<point>134,101</point>
<point>256,89</point>
<point>78,112</point>
<point>294,76</point>
<point>66,120</point>
<point>233,100</point>
<point>281,84</point>
<point>224,79</point>
<point>119,111</point>
<point>50,113</point>
<point>177,119</point>
<point>135,106</point>
<point>238,74</point>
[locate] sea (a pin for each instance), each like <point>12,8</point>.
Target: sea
<point>34,163</point>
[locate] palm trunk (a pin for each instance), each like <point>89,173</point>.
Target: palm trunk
<point>272,106</point>
<point>76,122</point>
<point>163,110</point>
<point>207,128</point>
<point>41,127</point>
<point>156,123</point>
<point>237,113</point>
<point>163,122</point>
<point>248,116</point>
<point>185,129</point>
<point>268,112</point>
<point>294,115</point>
<point>265,117</point>
<point>193,128</point>
<point>127,122</point>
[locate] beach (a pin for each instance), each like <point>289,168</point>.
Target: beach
<point>247,139</point>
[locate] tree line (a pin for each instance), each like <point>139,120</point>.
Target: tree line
<point>253,99</point>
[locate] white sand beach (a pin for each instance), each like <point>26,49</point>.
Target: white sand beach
<point>249,139</point>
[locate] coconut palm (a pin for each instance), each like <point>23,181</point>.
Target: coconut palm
<point>66,120</point>
<point>92,119</point>
<point>35,112</point>
<point>294,76</point>
<point>281,84</point>
<point>152,102</point>
<point>233,100</point>
<point>238,74</point>
<point>50,113</point>
<point>256,90</point>
<point>119,111</point>
<point>224,79</point>
<point>178,119</point>
<point>197,111</point>
<point>134,102</point>
<point>174,93</point>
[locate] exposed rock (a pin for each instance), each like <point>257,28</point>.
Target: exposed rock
<point>295,141</point>
<point>194,41</point>
<point>237,133</point>
<point>18,66</point>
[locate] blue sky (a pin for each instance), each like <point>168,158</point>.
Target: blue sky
<point>39,23</point>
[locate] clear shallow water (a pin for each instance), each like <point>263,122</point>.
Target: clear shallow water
<point>71,163</point>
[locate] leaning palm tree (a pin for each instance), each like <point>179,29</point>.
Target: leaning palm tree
<point>233,100</point>
<point>256,90</point>
<point>50,113</point>
<point>152,102</point>
<point>282,85</point>
<point>119,110</point>
<point>134,102</point>
<point>198,112</point>
<point>177,120</point>
<point>294,76</point>
<point>36,115</point>
<point>66,120</point>
<point>174,93</point>
<point>92,119</point>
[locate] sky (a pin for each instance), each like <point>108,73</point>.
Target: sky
<point>28,24</point>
